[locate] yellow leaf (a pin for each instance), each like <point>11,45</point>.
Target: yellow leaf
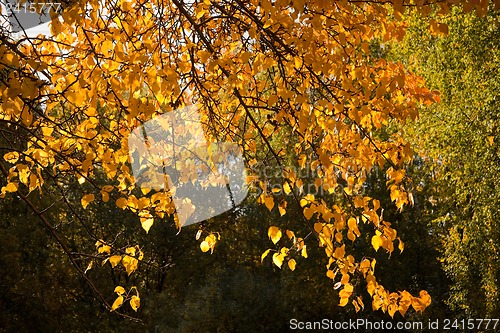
<point>286,188</point>
<point>264,255</point>
<point>89,266</point>
<point>10,187</point>
<point>203,55</point>
<point>282,208</point>
<point>269,202</point>
<point>352,223</point>
<point>364,266</point>
<point>304,251</point>
<point>356,306</point>
<point>343,301</point>
<point>392,308</point>
<point>147,223</point>
<point>330,274</point>
<point>401,245</point>
<point>135,302</point>
<point>209,243</point>
<point>104,249</point>
<point>121,203</point>
<point>318,227</point>
<point>274,234</point>
<point>204,246</point>
<point>309,212</point>
<point>105,196</point>
<point>360,302</point>
<point>120,290</point>
<point>114,260</point>
<point>117,303</point>
<point>377,242</point>
<point>422,302</point>
<point>339,252</point>
<point>291,264</point>
<point>47,131</point>
<point>11,157</point>
<point>88,198</point>
<point>130,250</point>
<point>130,264</point>
<point>278,259</point>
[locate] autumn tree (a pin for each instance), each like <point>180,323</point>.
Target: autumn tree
<point>302,71</point>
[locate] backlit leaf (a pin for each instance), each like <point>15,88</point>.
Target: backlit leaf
<point>119,290</point>
<point>264,255</point>
<point>135,302</point>
<point>278,259</point>
<point>114,260</point>
<point>117,303</point>
<point>147,223</point>
<point>291,264</point>
<point>87,199</point>
<point>377,242</point>
<point>274,234</point>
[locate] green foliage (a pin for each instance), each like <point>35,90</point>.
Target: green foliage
<point>458,142</point>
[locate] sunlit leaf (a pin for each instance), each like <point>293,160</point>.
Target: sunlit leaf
<point>278,259</point>
<point>377,242</point>
<point>114,260</point>
<point>119,290</point>
<point>87,199</point>
<point>264,255</point>
<point>147,223</point>
<point>291,264</point>
<point>274,234</point>
<point>135,302</point>
<point>117,303</point>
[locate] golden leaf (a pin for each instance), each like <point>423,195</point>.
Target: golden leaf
<point>130,264</point>
<point>135,302</point>
<point>11,157</point>
<point>269,202</point>
<point>291,264</point>
<point>204,246</point>
<point>401,245</point>
<point>10,187</point>
<point>104,249</point>
<point>120,290</point>
<point>121,203</point>
<point>344,301</point>
<point>309,211</point>
<point>377,242</point>
<point>87,199</point>
<point>274,234</point>
<point>264,255</point>
<point>114,260</point>
<point>147,223</point>
<point>304,251</point>
<point>117,303</point>
<point>278,259</point>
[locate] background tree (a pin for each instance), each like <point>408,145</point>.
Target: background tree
<point>457,140</point>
